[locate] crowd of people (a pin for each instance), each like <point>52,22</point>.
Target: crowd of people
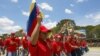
<point>53,45</point>
<point>13,46</point>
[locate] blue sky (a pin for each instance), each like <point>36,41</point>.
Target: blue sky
<point>14,13</point>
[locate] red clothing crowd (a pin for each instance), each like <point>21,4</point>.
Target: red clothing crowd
<point>44,48</point>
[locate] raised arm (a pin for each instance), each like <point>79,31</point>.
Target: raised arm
<point>35,33</point>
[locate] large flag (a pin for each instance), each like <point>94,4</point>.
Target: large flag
<point>32,22</point>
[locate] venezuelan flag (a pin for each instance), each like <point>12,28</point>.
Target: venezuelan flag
<point>32,21</point>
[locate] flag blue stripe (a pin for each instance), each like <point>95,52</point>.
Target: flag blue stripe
<point>32,17</point>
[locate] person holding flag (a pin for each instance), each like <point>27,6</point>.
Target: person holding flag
<point>37,33</point>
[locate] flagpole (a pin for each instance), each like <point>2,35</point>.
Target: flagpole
<point>32,5</point>
<point>33,1</point>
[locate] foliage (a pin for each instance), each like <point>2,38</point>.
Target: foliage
<point>91,31</point>
<point>61,23</point>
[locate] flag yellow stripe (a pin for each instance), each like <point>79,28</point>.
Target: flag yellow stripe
<point>31,7</point>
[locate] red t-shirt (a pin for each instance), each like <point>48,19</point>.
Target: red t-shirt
<point>57,47</point>
<point>78,43</point>
<point>68,47</point>
<point>11,47</point>
<point>41,49</point>
<point>1,42</point>
<point>32,49</point>
<point>25,43</point>
<point>49,42</point>
<point>73,43</point>
<point>18,41</point>
<point>83,43</point>
<point>5,41</point>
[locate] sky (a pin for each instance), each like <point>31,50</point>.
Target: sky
<point>15,13</point>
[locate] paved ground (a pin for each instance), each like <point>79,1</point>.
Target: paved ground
<point>94,51</point>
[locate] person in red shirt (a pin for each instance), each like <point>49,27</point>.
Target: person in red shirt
<point>57,45</point>
<point>1,45</point>
<point>38,45</point>
<point>18,41</point>
<point>25,46</point>
<point>41,48</point>
<point>11,45</point>
<point>5,42</point>
<point>73,45</point>
<point>84,45</point>
<point>67,46</point>
<point>78,50</point>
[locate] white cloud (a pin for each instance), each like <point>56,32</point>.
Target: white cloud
<point>79,1</point>
<point>15,1</point>
<point>4,21</point>
<point>72,5</point>
<point>94,16</point>
<point>8,26</point>
<point>46,6</point>
<point>50,24</point>
<point>25,13</point>
<point>68,11</point>
<point>89,16</point>
<point>46,16</point>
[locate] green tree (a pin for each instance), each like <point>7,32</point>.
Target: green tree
<point>88,30</point>
<point>61,23</point>
<point>96,31</point>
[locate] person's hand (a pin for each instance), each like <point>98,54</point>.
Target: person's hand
<point>76,47</point>
<point>39,16</point>
<point>58,48</point>
<point>11,42</point>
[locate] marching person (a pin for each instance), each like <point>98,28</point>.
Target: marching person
<point>25,46</point>
<point>18,41</point>
<point>38,45</point>
<point>57,45</point>
<point>84,45</point>
<point>67,45</point>
<point>78,50</point>
<point>11,45</point>
<point>1,45</point>
<point>73,46</point>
